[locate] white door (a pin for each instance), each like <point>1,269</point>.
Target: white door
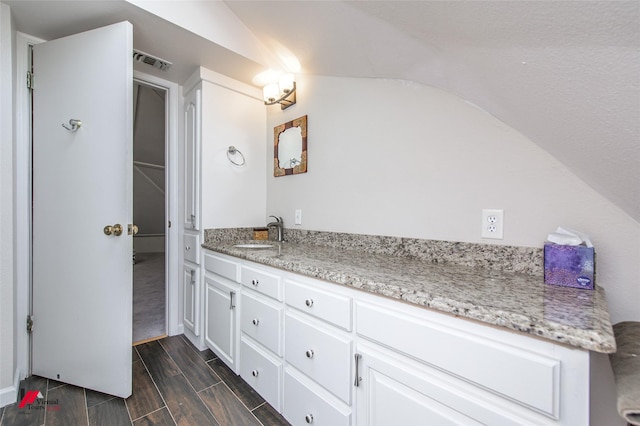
<point>82,182</point>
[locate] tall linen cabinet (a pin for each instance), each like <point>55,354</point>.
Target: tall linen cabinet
<point>218,113</point>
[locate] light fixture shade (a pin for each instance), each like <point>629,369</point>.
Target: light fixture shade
<point>286,83</point>
<point>271,92</point>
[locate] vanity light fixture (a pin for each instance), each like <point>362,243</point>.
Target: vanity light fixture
<point>283,92</point>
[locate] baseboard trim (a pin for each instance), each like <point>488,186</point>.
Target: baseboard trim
<point>9,395</point>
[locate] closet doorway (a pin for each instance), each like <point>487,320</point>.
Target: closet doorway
<point>149,201</point>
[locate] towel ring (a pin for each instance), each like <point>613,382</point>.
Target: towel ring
<point>233,151</point>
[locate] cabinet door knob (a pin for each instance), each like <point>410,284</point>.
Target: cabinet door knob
<point>309,353</point>
<point>309,418</point>
<point>255,373</point>
<point>255,321</point>
<point>309,302</point>
<point>255,282</point>
<point>187,248</point>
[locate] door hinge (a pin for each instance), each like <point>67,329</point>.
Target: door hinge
<point>29,80</point>
<point>29,324</point>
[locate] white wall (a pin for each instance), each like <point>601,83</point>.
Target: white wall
<point>232,196</point>
<point>7,343</point>
<point>397,158</point>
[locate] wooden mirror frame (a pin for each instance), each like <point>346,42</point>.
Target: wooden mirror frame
<point>300,122</point>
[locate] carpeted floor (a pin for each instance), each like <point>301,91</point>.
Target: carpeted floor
<point>148,296</point>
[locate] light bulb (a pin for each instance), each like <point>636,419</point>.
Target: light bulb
<point>286,83</point>
<point>270,92</point>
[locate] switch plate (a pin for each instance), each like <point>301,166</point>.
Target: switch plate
<point>493,223</point>
<point>298,218</point>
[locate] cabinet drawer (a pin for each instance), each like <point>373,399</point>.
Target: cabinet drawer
<point>191,248</point>
<point>221,266</point>
<point>323,356</point>
<point>531,379</point>
<point>333,308</point>
<point>261,281</point>
<point>262,322</point>
<point>261,371</point>
<point>302,406</point>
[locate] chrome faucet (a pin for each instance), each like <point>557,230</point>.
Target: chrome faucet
<point>279,225</point>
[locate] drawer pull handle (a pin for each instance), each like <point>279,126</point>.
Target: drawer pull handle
<point>255,321</point>
<point>309,353</point>
<point>309,418</point>
<point>309,303</point>
<point>356,383</point>
<point>255,282</point>
<point>255,373</point>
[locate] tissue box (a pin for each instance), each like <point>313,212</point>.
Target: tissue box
<point>569,266</point>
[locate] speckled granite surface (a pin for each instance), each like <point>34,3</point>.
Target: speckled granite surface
<point>517,301</point>
<point>527,260</point>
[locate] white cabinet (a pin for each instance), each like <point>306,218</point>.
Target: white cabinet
<point>441,369</point>
<point>305,404</point>
<point>191,233</point>
<point>191,248</point>
<point>262,370</point>
<point>218,112</point>
<point>397,390</point>
<point>262,321</point>
<point>318,353</point>
<point>190,298</point>
<point>261,327</point>
<point>221,305</point>
<point>321,353</point>
<point>191,156</point>
<point>326,354</point>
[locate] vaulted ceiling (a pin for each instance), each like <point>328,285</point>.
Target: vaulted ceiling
<point>566,74</point>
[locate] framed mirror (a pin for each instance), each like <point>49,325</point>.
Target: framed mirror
<point>290,147</point>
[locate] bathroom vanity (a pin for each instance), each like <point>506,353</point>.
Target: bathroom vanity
<point>331,336</point>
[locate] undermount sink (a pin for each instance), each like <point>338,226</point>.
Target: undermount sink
<point>253,246</point>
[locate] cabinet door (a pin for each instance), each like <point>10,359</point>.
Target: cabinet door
<point>395,390</point>
<point>190,298</point>
<point>220,319</point>
<point>192,135</point>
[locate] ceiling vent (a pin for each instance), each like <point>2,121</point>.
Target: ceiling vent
<point>145,58</point>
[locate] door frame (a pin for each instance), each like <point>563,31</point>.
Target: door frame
<point>172,246</point>
<point>23,201</point>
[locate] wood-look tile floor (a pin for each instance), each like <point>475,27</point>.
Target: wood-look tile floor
<point>173,384</point>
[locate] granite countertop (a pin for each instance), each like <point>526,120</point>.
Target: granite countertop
<point>517,301</point>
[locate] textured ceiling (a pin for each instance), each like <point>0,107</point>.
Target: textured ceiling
<point>566,74</point>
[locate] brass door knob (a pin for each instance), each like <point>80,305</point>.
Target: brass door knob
<point>113,230</point>
<point>132,229</point>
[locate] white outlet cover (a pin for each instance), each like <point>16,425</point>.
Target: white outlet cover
<point>493,224</point>
<point>298,217</point>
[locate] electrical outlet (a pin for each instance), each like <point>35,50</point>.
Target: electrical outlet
<point>493,223</point>
<point>298,218</point>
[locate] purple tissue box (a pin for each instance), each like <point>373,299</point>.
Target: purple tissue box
<point>569,266</point>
